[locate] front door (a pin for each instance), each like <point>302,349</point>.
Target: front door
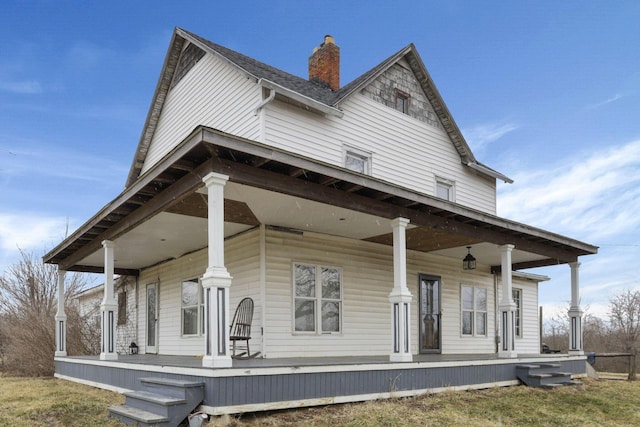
<point>152,318</point>
<point>430,314</point>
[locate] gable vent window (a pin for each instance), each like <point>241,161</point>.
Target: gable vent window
<point>402,101</point>
<point>445,189</point>
<point>357,161</point>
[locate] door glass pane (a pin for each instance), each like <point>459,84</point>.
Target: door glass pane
<point>305,316</point>
<point>429,314</point>
<point>151,316</point>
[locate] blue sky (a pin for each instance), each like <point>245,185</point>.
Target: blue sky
<point>546,92</point>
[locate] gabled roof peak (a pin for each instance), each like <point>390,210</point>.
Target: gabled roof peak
<point>317,92</point>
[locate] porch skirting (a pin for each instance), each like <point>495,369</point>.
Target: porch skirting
<point>265,385</point>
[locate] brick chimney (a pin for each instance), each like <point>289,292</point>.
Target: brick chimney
<point>324,63</point>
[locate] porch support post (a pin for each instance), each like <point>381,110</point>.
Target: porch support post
<point>61,318</point>
<point>575,312</point>
<point>109,306</point>
<point>400,297</point>
<point>216,280</point>
<point>507,306</point>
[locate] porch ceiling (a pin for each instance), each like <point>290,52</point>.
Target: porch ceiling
<point>162,215</point>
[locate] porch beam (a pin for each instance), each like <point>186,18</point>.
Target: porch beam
<point>129,195</point>
<point>161,202</point>
<point>497,269</point>
<point>61,318</point>
<point>272,181</point>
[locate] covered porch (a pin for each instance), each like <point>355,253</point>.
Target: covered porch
<point>214,187</point>
<point>270,384</point>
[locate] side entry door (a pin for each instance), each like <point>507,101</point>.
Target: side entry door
<point>430,314</point>
<point>152,319</point>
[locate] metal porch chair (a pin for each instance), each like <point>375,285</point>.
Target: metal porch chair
<point>240,330</point>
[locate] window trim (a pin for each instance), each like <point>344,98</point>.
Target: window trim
<point>348,151</point>
<point>399,94</point>
<point>318,299</point>
<point>474,311</point>
<point>199,306</point>
<point>517,326</point>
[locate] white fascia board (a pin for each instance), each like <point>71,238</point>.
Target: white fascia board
<point>311,103</point>
<point>488,171</point>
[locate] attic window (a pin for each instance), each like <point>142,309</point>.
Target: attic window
<point>402,101</point>
<point>357,160</point>
<point>445,189</point>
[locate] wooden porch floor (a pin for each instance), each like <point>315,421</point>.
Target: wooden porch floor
<point>196,362</point>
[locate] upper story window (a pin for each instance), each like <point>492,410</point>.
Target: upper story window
<point>317,298</point>
<point>357,160</point>
<point>402,101</point>
<point>445,189</point>
<point>192,308</point>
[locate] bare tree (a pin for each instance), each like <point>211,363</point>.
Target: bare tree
<point>28,304</point>
<point>624,315</point>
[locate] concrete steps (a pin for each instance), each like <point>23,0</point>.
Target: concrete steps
<point>545,375</point>
<point>159,402</point>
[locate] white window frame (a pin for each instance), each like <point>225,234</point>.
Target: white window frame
<point>199,308</point>
<point>518,313</point>
<point>317,299</point>
<point>449,185</point>
<point>475,311</point>
<point>356,153</point>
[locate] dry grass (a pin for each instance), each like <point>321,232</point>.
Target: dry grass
<point>52,402</point>
<point>36,402</point>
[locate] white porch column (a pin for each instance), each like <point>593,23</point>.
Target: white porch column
<point>109,306</point>
<point>216,280</point>
<point>61,318</point>
<point>575,312</point>
<point>400,297</point>
<point>507,306</point>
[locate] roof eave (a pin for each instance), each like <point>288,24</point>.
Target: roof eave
<point>304,100</point>
<point>488,171</point>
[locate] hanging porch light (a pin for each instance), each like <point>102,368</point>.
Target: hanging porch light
<point>469,262</point>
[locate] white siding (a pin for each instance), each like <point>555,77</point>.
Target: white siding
<point>404,150</point>
<point>530,341</point>
<point>214,94</point>
<point>367,281</point>
<point>241,257</point>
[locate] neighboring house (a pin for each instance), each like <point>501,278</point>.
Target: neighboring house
<point>344,212</point>
<point>89,301</point>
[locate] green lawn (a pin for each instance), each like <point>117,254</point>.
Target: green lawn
<point>51,402</point>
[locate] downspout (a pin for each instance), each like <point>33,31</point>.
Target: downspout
<point>496,314</point>
<point>268,99</point>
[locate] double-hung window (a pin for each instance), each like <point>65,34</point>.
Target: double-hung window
<point>317,298</point>
<point>192,308</point>
<point>516,294</point>
<point>474,310</point>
